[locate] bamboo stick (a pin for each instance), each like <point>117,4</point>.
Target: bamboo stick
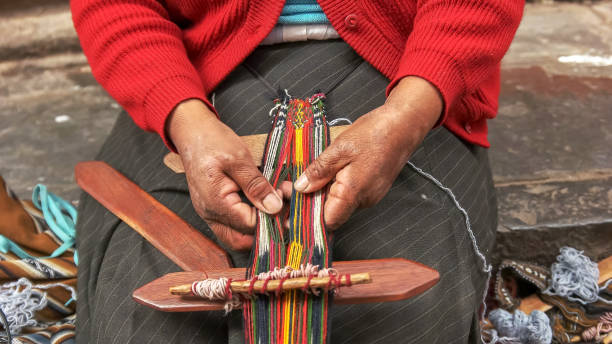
<point>289,284</point>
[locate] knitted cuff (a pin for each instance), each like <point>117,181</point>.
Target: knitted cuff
<point>439,69</point>
<point>161,100</point>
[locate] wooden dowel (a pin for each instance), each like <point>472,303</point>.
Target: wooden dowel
<point>289,284</point>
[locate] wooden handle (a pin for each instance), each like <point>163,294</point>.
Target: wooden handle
<point>175,238</point>
<point>256,144</point>
<point>289,284</point>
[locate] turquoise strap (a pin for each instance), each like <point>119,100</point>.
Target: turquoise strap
<point>61,218</point>
<point>7,245</point>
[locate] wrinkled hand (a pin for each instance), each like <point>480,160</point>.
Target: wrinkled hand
<point>218,165</point>
<point>366,158</point>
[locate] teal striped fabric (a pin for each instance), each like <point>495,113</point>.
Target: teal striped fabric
<point>302,12</point>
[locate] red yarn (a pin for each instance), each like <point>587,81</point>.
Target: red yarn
<point>279,289</point>
<point>307,285</point>
<point>265,285</point>
<point>228,289</point>
<point>252,286</point>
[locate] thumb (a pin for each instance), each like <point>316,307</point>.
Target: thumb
<point>256,188</point>
<point>321,171</point>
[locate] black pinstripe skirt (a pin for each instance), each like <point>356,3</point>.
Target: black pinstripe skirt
<point>415,220</point>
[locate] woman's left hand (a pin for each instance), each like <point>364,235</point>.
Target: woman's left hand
<point>366,158</point>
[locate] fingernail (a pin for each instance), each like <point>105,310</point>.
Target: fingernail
<point>301,184</point>
<point>272,203</point>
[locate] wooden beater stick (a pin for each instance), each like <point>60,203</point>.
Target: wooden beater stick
<point>255,143</point>
<point>288,284</point>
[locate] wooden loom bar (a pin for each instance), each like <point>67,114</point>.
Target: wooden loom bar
<point>175,238</point>
<point>392,279</point>
<point>289,284</point>
<point>255,143</point>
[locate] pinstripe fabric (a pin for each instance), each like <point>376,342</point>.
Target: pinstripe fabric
<point>415,220</point>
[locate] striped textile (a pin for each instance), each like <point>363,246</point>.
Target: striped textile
<point>22,223</point>
<point>415,220</point>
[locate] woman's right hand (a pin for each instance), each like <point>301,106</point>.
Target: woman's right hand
<point>218,165</point>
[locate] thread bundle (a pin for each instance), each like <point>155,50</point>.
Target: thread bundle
<point>575,277</point>
<point>520,328</point>
<point>299,135</point>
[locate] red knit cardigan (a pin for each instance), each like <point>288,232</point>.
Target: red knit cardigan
<point>151,55</point>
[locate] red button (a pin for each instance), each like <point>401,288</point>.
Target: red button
<point>351,21</point>
<point>468,128</point>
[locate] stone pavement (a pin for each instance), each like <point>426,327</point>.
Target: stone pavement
<point>551,154</point>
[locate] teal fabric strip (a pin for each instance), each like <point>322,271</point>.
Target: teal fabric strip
<point>61,218</point>
<point>302,12</point>
<point>7,245</point>
<point>59,215</point>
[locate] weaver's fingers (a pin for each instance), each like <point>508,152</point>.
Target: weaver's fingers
<point>255,186</point>
<point>219,202</point>
<point>324,168</point>
<point>286,189</point>
<point>232,239</point>
<point>342,200</point>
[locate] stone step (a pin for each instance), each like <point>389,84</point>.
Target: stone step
<point>550,154</point>
<point>34,28</point>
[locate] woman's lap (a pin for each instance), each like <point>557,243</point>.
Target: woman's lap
<point>415,220</point>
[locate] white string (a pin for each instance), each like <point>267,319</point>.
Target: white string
<point>19,301</point>
<point>339,120</point>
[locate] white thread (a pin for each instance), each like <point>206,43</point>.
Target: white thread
<point>214,289</point>
<point>19,302</point>
<point>339,120</point>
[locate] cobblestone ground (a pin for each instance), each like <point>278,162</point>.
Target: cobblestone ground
<point>551,151</point>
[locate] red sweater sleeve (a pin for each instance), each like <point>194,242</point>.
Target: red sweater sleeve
<point>457,44</point>
<point>136,53</point>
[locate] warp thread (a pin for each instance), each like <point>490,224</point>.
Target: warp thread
<point>20,301</point>
<point>597,333</point>
<point>520,328</point>
<point>575,277</point>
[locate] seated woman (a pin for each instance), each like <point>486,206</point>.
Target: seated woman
<point>419,80</point>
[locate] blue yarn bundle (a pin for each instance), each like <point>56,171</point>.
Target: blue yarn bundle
<point>520,328</point>
<point>575,277</point>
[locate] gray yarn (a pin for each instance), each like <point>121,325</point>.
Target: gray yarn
<point>575,277</point>
<point>486,267</point>
<point>19,301</point>
<point>520,328</point>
